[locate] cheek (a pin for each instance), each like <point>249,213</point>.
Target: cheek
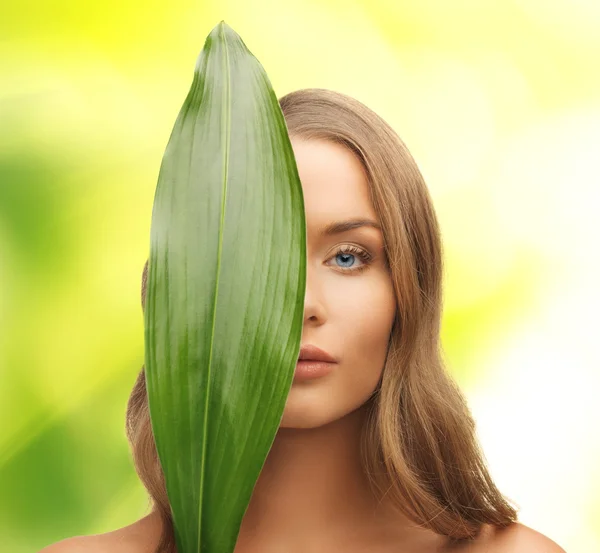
<point>364,322</point>
<point>363,314</point>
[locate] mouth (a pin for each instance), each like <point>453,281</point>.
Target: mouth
<point>309,352</point>
<point>309,369</point>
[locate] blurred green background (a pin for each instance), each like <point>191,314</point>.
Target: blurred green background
<point>499,102</point>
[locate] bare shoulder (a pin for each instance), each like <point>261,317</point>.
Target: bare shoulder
<point>513,538</point>
<point>78,544</point>
<point>140,537</point>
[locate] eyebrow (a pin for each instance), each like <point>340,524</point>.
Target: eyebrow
<point>338,227</point>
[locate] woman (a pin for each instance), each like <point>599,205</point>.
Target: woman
<point>380,454</point>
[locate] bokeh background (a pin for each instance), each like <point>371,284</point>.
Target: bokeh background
<point>499,102</point>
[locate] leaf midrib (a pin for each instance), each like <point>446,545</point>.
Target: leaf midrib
<point>226,148</point>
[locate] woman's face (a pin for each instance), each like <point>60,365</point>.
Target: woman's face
<point>349,305</point>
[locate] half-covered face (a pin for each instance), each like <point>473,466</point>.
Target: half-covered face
<point>349,304</point>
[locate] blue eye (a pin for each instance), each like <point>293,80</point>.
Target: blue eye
<point>347,255</point>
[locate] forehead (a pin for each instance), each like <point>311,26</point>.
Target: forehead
<point>334,182</point>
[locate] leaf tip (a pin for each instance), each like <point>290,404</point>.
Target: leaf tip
<point>223,29</point>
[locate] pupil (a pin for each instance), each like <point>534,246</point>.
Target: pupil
<point>346,255</point>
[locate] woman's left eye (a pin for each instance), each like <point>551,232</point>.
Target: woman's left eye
<point>348,254</point>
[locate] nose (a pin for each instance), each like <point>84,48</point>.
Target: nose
<point>314,303</point>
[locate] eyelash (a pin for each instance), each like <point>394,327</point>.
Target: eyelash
<point>364,256</point>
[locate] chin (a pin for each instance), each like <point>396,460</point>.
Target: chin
<point>307,406</point>
<point>314,406</point>
<point>306,415</point>
<point>301,422</point>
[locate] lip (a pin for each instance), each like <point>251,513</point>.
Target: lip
<point>313,362</point>
<point>309,370</point>
<point>310,352</point>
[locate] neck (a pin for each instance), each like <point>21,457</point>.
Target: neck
<point>312,493</point>
<point>312,496</point>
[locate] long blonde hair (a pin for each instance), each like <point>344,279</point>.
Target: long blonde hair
<point>419,445</point>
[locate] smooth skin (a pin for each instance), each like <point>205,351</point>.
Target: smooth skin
<point>312,496</point>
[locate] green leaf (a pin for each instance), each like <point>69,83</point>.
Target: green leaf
<point>225,297</point>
